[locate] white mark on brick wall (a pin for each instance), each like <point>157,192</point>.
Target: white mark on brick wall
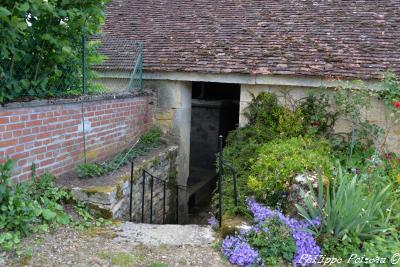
<point>88,126</point>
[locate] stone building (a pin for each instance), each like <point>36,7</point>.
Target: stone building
<point>204,58</point>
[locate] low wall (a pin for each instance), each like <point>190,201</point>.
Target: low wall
<point>109,196</point>
<point>49,133</point>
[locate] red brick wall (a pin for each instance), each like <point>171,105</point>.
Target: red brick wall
<point>51,136</point>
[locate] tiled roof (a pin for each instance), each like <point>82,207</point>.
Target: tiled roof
<point>346,39</point>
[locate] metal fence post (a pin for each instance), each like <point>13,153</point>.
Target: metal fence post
<point>163,216</point>
<point>131,193</point>
<point>177,204</point>
<point>143,191</point>
<point>220,138</point>
<point>151,199</point>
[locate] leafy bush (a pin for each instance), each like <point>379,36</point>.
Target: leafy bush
<point>279,161</point>
<point>263,110</point>
<point>33,206</point>
<point>318,116</point>
<point>88,170</point>
<point>273,241</point>
<point>274,238</point>
<point>346,210</point>
<point>151,137</point>
<point>24,206</point>
<point>268,121</point>
<point>41,46</point>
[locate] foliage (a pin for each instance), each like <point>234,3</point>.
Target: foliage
<point>27,205</point>
<point>263,110</point>
<point>279,161</point>
<point>383,245</point>
<point>40,51</point>
<point>391,95</point>
<point>318,116</point>
<point>33,206</point>
<point>88,170</point>
<point>273,241</point>
<point>151,137</point>
<point>274,238</point>
<point>357,206</point>
<point>346,210</point>
<point>270,122</point>
<point>147,141</point>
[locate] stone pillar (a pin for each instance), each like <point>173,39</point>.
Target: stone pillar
<point>173,114</point>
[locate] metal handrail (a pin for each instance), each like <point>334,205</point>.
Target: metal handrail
<point>221,165</point>
<point>165,183</point>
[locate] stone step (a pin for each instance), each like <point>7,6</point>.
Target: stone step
<point>164,234</point>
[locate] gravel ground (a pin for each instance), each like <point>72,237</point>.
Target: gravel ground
<point>111,246</point>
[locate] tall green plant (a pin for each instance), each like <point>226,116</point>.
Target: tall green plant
<point>345,209</point>
<point>280,160</point>
<point>40,47</point>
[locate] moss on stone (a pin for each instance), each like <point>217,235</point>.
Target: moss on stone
<point>120,189</point>
<point>100,212</point>
<point>231,225</point>
<point>98,189</point>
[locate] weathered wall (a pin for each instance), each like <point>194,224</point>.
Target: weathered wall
<point>205,129</point>
<point>50,133</point>
<point>172,102</point>
<point>375,115</point>
<point>112,201</point>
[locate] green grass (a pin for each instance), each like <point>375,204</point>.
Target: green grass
<point>122,259</point>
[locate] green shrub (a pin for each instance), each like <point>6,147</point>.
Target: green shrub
<point>26,205</point>
<point>151,137</point>
<point>273,242</point>
<point>41,57</point>
<point>346,209</point>
<point>87,170</point>
<point>318,115</point>
<point>263,110</point>
<point>280,160</point>
<point>35,205</point>
<point>385,245</point>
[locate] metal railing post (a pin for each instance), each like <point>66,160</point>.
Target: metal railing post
<point>163,216</point>
<point>151,199</point>
<point>131,193</point>
<point>143,191</point>
<point>220,139</point>
<point>177,204</point>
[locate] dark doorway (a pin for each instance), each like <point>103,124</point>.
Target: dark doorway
<point>215,111</point>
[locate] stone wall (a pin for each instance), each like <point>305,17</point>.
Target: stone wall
<point>50,133</point>
<point>112,200</point>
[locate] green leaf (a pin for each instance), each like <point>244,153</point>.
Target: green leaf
<point>24,7</point>
<point>4,12</point>
<point>48,214</point>
<point>63,219</point>
<point>67,49</point>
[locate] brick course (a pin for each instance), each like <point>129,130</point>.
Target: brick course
<point>51,136</point>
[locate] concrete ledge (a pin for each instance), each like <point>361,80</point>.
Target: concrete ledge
<point>72,100</point>
<point>282,80</point>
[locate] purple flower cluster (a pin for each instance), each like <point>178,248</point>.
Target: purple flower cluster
<point>213,222</point>
<point>239,252</point>
<point>305,242</point>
